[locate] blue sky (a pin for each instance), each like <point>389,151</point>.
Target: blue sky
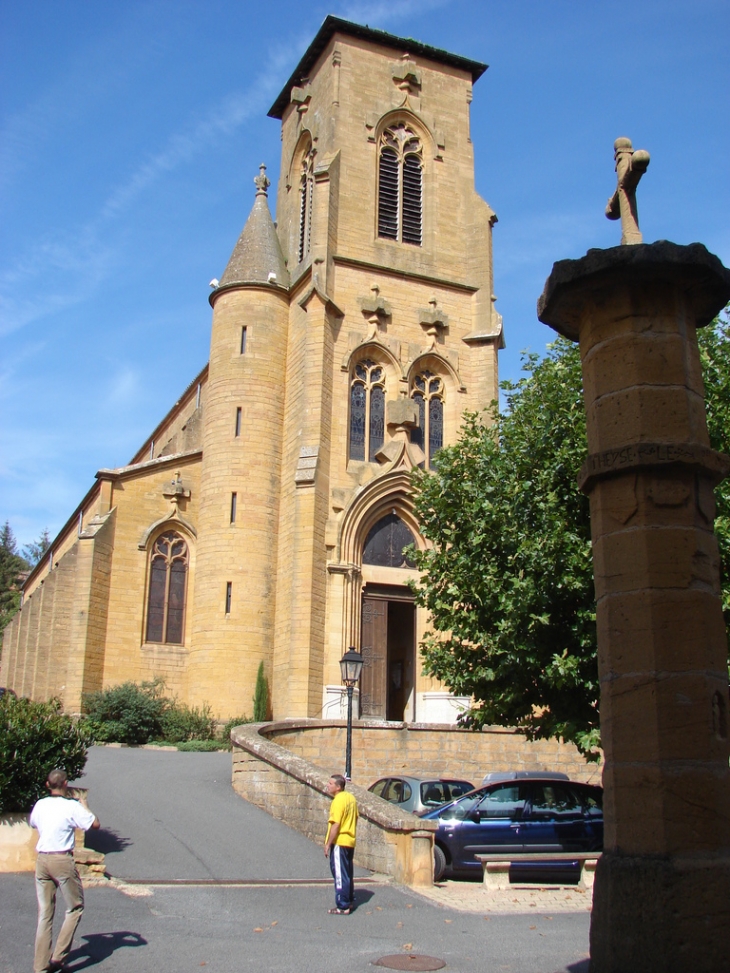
<point>130,133</point>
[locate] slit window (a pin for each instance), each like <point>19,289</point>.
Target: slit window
<point>244,335</point>
<point>400,185</point>
<point>229,596</point>
<point>234,498</point>
<point>238,421</point>
<point>306,199</point>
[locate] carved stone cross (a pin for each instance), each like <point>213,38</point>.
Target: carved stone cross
<point>630,166</point>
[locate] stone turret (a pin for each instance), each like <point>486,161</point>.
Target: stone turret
<point>242,442</point>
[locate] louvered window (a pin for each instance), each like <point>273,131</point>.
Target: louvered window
<point>367,411</point>
<point>428,394</point>
<point>306,195</point>
<point>400,185</point>
<point>166,594</point>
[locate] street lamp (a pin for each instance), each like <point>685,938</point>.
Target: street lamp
<point>350,668</point>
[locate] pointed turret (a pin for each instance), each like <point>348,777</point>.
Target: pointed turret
<point>257,257</point>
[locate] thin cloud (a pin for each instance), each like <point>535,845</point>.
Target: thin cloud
<point>379,13</point>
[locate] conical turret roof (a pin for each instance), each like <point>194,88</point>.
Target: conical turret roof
<point>257,255</point>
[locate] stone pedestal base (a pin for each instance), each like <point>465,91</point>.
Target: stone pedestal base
<point>660,915</point>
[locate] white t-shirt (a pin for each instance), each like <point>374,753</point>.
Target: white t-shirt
<point>55,819</point>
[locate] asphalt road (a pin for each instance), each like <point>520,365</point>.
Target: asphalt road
<point>172,815</point>
<point>168,816</point>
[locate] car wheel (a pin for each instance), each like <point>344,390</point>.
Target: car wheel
<point>439,863</point>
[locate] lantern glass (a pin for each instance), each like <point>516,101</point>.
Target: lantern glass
<point>351,666</point>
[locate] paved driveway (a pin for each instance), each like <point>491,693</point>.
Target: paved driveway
<point>172,815</point>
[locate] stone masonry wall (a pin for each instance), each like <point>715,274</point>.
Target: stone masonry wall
<point>379,749</point>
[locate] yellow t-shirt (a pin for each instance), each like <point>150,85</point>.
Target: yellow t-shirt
<point>343,811</point>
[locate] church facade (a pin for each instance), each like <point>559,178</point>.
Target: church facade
<point>265,517</point>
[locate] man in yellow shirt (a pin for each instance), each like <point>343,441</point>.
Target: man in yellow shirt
<point>339,845</point>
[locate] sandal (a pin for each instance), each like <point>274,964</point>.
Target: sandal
<point>338,912</point>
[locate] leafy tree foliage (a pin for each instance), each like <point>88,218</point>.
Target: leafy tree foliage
<point>509,581</point>
<point>35,738</point>
<point>11,567</point>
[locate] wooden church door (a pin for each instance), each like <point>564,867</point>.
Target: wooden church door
<point>374,648</point>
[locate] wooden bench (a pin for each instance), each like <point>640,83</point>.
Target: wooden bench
<point>496,867</point>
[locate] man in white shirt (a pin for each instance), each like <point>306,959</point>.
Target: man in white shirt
<point>56,818</point>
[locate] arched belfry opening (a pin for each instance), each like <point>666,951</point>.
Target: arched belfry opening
<point>388,623</point>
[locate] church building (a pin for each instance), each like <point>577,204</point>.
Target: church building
<point>265,517</point>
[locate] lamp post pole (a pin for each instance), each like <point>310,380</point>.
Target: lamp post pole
<point>348,750</point>
<point>350,668</point>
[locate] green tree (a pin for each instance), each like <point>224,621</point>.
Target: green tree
<point>34,551</point>
<point>11,567</point>
<point>261,697</point>
<point>509,581</point>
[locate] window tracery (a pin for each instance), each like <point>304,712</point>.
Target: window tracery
<point>428,394</point>
<point>400,185</point>
<point>166,595</point>
<point>367,410</point>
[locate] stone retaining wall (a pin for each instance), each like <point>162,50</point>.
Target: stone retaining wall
<point>294,791</point>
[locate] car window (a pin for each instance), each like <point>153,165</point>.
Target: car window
<point>455,789</point>
<point>555,800</point>
<point>434,793</point>
<point>460,810</point>
<point>379,787</point>
<point>592,800</point>
<point>506,801</point>
<point>398,791</point>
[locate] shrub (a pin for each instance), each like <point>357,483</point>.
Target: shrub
<point>224,735</point>
<point>181,723</point>
<point>261,697</point>
<point>34,739</point>
<point>127,713</point>
<point>201,746</point>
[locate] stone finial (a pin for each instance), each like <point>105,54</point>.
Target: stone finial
<point>262,181</point>
<point>630,166</point>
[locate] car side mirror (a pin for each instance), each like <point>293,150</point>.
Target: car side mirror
<point>476,816</point>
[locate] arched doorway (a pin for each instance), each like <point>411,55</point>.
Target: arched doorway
<point>388,629</point>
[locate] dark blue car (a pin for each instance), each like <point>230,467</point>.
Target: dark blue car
<point>538,814</point>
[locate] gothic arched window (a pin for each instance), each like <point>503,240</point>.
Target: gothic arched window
<point>168,583</point>
<point>385,542</point>
<point>400,185</point>
<point>306,194</point>
<point>428,394</point>
<point>367,411</point>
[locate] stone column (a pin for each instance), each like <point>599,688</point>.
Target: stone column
<point>662,893</point>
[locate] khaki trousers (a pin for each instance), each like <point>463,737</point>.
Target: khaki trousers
<point>53,871</point>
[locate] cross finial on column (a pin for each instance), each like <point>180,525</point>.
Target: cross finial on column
<point>630,166</point>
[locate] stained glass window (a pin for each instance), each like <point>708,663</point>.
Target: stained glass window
<point>367,411</point>
<point>428,394</point>
<point>400,185</point>
<point>385,542</point>
<point>168,583</point>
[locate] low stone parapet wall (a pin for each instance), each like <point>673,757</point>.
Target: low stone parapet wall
<point>294,790</point>
<point>380,748</point>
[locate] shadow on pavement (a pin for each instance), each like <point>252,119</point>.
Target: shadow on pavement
<point>581,967</point>
<point>105,840</point>
<point>100,946</point>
